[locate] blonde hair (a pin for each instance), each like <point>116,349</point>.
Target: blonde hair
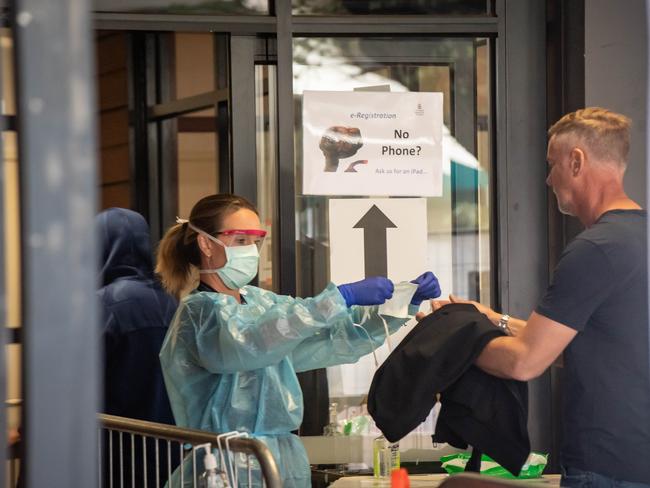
<point>178,257</point>
<point>606,133</point>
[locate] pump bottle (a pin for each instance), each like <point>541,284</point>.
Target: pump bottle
<point>210,477</point>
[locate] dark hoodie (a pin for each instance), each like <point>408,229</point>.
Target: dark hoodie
<point>136,313</point>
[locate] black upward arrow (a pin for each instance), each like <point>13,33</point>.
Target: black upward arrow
<point>374,224</point>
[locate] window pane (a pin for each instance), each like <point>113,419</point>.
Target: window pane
<point>197,159</point>
<point>12,277</point>
<point>193,66</point>
<point>391,7</point>
<point>458,222</point>
<point>8,96</point>
<point>484,156</point>
<point>266,142</point>
<point>192,7</point>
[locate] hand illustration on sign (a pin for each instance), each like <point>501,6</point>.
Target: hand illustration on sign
<point>340,142</point>
<point>352,166</point>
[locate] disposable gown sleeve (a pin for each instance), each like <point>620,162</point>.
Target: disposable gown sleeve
<point>343,342</point>
<point>231,337</point>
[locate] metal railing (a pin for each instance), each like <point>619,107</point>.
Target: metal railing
<point>131,455</point>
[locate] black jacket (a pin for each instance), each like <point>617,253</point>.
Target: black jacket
<point>478,409</point>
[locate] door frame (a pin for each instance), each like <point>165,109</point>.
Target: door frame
<point>520,219</point>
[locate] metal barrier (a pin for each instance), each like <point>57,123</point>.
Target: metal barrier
<point>140,460</point>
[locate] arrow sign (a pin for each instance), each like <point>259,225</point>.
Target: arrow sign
<point>374,224</point>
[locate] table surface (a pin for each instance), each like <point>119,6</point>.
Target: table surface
<point>426,481</point>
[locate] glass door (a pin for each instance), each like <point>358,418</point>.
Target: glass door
<point>459,229</point>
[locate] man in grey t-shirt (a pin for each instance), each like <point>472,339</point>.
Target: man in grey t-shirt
<point>595,310</point>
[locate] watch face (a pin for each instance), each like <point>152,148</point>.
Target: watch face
<point>503,324</point>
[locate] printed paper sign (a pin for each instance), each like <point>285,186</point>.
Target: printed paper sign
<point>372,143</point>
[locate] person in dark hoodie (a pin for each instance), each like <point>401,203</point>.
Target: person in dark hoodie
<point>135,313</point>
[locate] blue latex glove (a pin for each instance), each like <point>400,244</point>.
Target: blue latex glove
<point>371,291</point>
<point>428,287</point>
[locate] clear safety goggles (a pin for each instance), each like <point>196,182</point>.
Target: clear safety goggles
<point>242,237</point>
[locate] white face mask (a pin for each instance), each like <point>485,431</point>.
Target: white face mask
<point>242,263</point>
<point>398,305</point>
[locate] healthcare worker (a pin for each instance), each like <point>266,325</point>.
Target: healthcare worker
<point>231,354</point>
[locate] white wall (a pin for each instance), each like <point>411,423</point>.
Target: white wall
<point>615,74</point>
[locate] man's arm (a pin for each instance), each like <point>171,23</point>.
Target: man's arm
<point>528,354</point>
<point>534,346</point>
<point>514,324</point>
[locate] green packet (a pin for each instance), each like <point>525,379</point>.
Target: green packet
<point>532,468</point>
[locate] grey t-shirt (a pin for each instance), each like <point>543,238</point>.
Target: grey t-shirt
<point>600,289</point>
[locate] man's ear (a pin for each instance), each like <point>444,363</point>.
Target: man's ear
<point>578,160</point>
<point>204,245</point>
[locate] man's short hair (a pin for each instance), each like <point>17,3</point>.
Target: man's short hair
<point>605,133</point>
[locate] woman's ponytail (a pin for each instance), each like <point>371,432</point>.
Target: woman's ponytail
<point>176,260</point>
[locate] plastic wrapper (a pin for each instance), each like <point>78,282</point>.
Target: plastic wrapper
<point>532,468</point>
<point>357,425</point>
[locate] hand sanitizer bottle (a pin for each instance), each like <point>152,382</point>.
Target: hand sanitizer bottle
<point>385,457</point>
<point>210,477</point>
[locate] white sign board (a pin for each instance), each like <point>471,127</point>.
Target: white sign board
<point>370,235</point>
<point>392,229</point>
<point>372,143</point>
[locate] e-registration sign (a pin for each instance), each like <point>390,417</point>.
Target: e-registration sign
<point>372,143</point>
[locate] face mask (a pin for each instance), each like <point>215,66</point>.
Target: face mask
<point>242,263</point>
<point>398,305</point>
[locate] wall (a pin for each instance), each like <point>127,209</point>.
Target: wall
<point>112,93</point>
<point>615,73</point>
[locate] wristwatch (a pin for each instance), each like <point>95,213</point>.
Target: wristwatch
<point>503,324</point>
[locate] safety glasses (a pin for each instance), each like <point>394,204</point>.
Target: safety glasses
<point>242,237</point>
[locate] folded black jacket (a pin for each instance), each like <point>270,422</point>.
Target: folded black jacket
<point>478,409</point>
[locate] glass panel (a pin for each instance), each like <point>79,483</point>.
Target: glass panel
<point>12,280</point>
<point>214,7</point>
<point>483,148</point>
<point>458,222</point>
<point>11,237</point>
<point>197,159</point>
<point>194,64</point>
<point>8,97</point>
<point>391,7</point>
<point>266,141</point>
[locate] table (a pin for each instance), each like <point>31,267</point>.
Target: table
<point>427,481</point>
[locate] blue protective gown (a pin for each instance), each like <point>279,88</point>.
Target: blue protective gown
<point>231,366</point>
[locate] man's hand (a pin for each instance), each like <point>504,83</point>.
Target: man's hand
<point>438,304</point>
<point>484,309</point>
<point>435,305</point>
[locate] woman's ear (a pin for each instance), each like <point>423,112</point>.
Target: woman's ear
<point>204,245</point>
